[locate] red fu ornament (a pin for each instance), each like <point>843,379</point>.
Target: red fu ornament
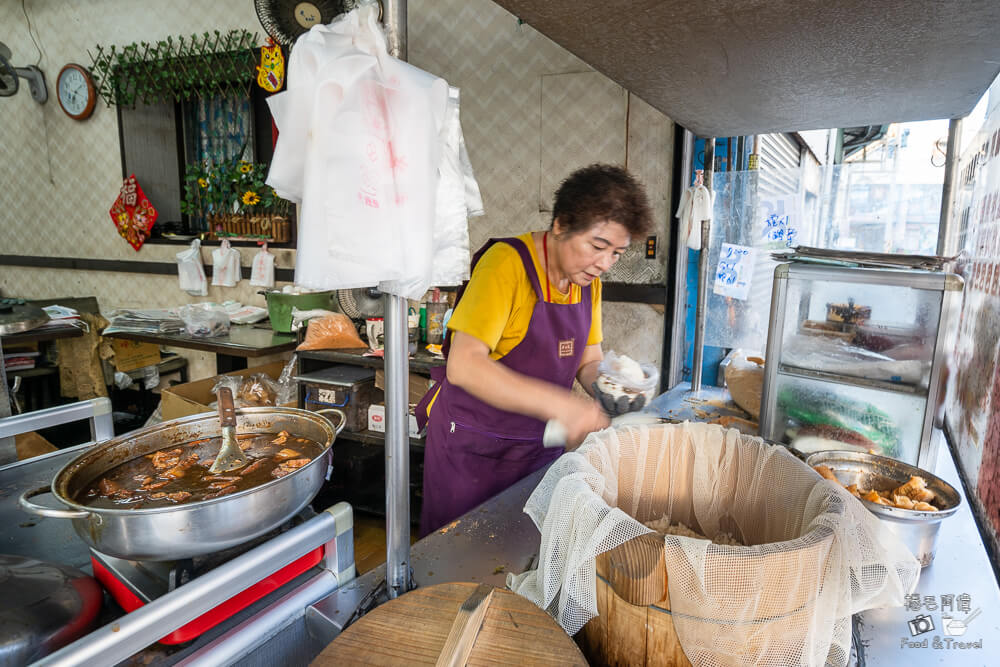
<point>132,213</point>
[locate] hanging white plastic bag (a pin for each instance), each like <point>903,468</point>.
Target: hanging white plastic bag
<point>262,274</point>
<point>190,272</point>
<point>359,146</point>
<point>225,265</point>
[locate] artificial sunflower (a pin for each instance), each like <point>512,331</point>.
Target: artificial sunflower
<point>250,198</point>
<point>202,182</point>
<point>246,167</point>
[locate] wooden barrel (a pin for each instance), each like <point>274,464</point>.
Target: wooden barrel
<point>635,626</point>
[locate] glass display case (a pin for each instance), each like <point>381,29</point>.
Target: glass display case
<point>854,358</point>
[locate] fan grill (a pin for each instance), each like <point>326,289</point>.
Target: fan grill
<point>286,20</point>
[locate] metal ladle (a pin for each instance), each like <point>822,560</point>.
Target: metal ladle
<point>230,457</point>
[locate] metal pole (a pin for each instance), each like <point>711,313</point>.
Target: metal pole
<point>397,403</point>
<point>680,275</point>
<point>699,321</point>
<point>8,446</point>
<point>946,224</point>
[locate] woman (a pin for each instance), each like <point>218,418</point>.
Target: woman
<point>527,323</point>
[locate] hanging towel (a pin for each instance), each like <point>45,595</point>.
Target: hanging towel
<point>695,205</point>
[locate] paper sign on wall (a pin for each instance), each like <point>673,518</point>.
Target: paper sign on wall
<point>781,220</point>
<point>735,269</point>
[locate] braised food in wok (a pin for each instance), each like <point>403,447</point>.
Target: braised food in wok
<point>179,474</point>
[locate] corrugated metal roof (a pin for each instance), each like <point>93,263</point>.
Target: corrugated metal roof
<point>754,66</point>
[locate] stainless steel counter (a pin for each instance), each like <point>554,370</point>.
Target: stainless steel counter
<point>961,567</point>
<point>484,545</point>
<point>499,535</point>
<point>497,538</point>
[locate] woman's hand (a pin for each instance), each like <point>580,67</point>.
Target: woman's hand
<point>581,417</point>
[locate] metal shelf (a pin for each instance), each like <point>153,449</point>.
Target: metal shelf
<point>418,362</point>
<point>367,437</point>
<point>852,381</point>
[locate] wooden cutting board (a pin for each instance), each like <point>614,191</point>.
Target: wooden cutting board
<point>413,628</point>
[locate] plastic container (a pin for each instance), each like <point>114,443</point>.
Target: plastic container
<point>350,388</point>
<point>279,306</point>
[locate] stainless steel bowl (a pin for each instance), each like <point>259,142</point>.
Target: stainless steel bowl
<point>917,530</point>
<point>192,529</point>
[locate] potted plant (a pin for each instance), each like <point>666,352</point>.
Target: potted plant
<point>234,201</point>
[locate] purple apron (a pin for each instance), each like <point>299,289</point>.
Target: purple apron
<point>474,450</point>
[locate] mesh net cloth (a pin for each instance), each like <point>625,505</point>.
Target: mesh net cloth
<point>818,555</point>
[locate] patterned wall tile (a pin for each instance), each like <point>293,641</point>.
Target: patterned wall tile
<point>582,122</point>
<point>60,176</point>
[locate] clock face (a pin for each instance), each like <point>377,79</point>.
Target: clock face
<point>76,93</point>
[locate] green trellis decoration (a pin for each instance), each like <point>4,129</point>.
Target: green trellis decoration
<point>176,68</point>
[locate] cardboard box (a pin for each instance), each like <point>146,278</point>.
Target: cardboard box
<point>419,384</point>
<point>192,398</point>
<point>376,420</point>
<point>131,354</point>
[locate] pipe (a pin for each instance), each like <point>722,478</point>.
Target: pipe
<point>96,410</point>
<point>680,273</point>
<point>946,225</point>
<point>397,448</point>
<point>702,303</point>
<point>240,641</point>
<point>394,19</point>
<point>133,632</point>
<point>8,446</point>
<point>397,390</point>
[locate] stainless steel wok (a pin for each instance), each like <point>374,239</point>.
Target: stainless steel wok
<point>192,529</point>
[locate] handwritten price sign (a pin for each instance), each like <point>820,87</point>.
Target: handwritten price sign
<point>781,215</point>
<point>735,269</point>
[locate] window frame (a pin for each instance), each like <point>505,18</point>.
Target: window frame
<point>262,135</point>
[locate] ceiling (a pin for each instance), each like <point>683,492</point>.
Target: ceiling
<point>735,67</point>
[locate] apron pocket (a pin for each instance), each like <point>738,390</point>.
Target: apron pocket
<point>473,441</point>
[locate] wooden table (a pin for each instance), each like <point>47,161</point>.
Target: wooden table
<point>41,334</point>
<point>231,351</point>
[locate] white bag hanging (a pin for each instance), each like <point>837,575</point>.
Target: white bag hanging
<point>225,265</point>
<point>190,272</point>
<point>360,161</point>
<point>262,274</point>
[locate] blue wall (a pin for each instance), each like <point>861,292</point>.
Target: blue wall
<point>713,355</point>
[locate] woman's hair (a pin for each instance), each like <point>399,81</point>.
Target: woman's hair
<point>599,193</point>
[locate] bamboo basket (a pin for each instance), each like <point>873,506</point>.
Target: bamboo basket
<point>634,625</point>
<point>270,227</point>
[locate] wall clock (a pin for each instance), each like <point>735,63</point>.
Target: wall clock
<point>76,92</point>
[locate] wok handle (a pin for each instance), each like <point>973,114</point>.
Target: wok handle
<point>52,512</point>
<point>339,413</point>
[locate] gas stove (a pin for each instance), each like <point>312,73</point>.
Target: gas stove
<point>134,584</point>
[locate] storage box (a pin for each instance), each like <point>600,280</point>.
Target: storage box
<point>376,420</point>
<point>130,354</point>
<point>192,398</point>
<point>350,388</point>
<point>419,384</point>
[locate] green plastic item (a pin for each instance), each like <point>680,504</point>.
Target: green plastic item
<point>279,306</point>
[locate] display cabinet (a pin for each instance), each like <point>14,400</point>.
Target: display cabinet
<point>854,358</point>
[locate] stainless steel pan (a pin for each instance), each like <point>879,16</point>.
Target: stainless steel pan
<point>184,531</point>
